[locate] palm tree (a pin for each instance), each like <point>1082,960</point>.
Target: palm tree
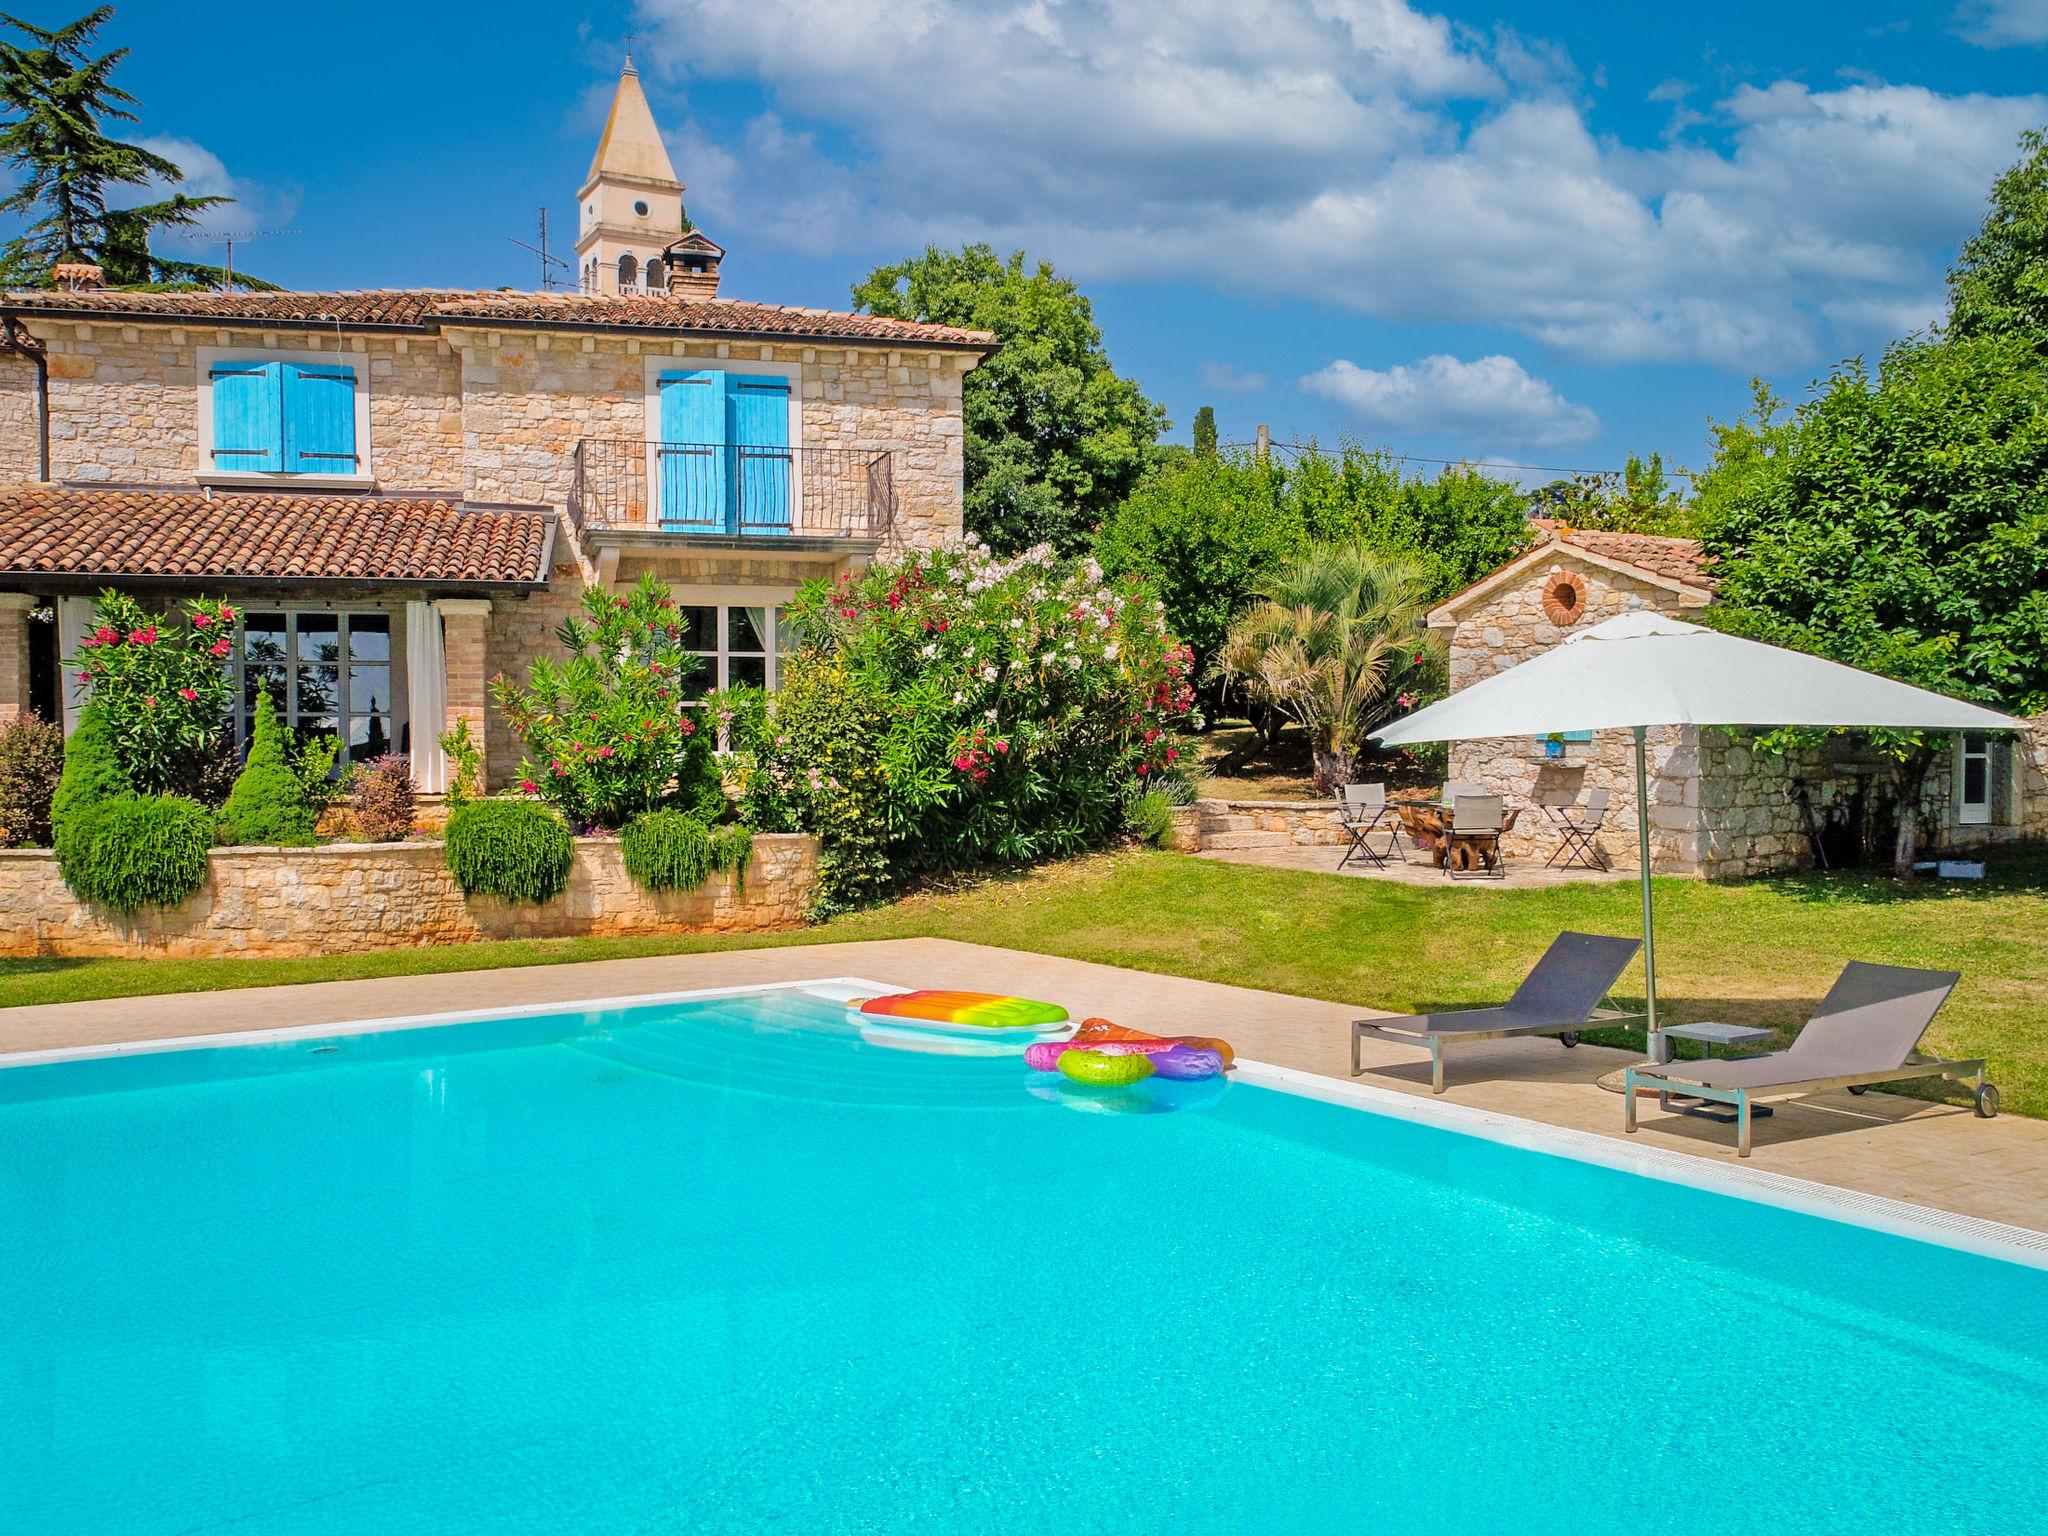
<point>1335,643</point>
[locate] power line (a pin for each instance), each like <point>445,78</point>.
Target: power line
<point>1417,458</point>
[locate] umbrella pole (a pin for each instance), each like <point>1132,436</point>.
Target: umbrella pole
<point>1656,1041</point>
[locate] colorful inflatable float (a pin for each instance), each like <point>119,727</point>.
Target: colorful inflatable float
<point>959,1023</point>
<point>1104,1055</point>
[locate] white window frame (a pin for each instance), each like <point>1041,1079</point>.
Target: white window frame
<point>395,707</point>
<point>1975,745</point>
<point>680,362</point>
<point>351,357</point>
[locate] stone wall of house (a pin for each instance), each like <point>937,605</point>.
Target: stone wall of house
<point>124,402</point>
<point>344,899</point>
<point>528,398</point>
<point>1509,628</point>
<point>1718,806</point>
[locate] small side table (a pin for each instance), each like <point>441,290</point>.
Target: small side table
<point>1707,1034</point>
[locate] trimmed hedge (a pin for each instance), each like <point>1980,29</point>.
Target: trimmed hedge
<point>268,805</point>
<point>31,763</point>
<point>674,851</point>
<point>516,849</point>
<point>92,775</point>
<point>136,851</point>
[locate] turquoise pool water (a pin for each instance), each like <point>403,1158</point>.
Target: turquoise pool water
<point>719,1266</point>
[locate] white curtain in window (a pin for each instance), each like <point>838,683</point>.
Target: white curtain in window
<point>426,682</point>
<point>74,623</point>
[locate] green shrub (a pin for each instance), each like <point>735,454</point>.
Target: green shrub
<point>1152,818</point>
<point>675,851</point>
<point>31,762</point>
<point>135,851</point>
<point>732,847</point>
<point>92,775</point>
<point>511,848</point>
<point>268,805</point>
<point>465,765</point>
<point>667,850</point>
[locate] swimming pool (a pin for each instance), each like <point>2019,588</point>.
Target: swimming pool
<point>717,1265</point>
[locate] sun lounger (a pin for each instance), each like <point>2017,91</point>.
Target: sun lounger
<point>1866,1030</point>
<point>1561,996</point>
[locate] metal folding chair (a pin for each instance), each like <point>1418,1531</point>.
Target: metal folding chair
<point>1576,833</point>
<point>1477,822</point>
<point>1365,813</point>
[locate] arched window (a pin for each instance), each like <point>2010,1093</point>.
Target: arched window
<point>629,272</point>
<point>657,280</point>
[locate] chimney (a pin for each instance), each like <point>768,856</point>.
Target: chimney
<point>79,276</point>
<point>692,267</point>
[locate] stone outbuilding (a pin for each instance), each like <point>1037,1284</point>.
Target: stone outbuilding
<point>1719,806</point>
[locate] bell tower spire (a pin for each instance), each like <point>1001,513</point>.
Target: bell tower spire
<point>630,207</point>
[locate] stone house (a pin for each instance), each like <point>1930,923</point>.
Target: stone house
<point>406,491</point>
<point>1718,807</point>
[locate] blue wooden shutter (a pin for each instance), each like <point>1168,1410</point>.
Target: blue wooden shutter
<point>763,466</point>
<point>320,419</point>
<point>248,416</point>
<point>690,467</point>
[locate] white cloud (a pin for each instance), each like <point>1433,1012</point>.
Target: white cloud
<point>1355,152</point>
<point>1491,399</point>
<point>2003,23</point>
<point>254,207</point>
<point>1229,379</point>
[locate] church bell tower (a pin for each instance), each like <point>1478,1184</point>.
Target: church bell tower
<point>630,208</point>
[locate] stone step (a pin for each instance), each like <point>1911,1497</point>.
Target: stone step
<point>1226,840</point>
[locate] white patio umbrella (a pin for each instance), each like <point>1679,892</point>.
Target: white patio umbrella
<point>1642,669</point>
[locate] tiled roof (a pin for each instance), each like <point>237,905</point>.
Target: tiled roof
<point>1673,559</point>
<point>258,535</point>
<point>426,309</point>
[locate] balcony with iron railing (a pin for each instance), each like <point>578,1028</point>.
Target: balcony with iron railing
<point>728,491</point>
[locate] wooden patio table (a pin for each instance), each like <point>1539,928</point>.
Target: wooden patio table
<point>1428,825</point>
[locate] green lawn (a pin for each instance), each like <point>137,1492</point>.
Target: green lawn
<point>1761,951</point>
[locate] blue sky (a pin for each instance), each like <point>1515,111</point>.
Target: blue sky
<point>1531,233</point>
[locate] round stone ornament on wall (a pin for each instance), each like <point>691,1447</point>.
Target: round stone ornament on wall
<point>1564,598</point>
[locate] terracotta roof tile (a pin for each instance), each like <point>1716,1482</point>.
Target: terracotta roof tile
<point>260,535</point>
<point>427,309</point>
<point>1674,559</point>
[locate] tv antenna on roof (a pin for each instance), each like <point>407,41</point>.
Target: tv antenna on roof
<point>229,237</point>
<point>548,262</point>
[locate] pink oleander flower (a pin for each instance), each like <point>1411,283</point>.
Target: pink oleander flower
<point>188,694</point>
<point>528,787</point>
<point>604,752</point>
<point>106,634</point>
<point>149,699</point>
<point>201,620</point>
<point>220,647</point>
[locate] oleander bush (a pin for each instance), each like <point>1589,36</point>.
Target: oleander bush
<point>270,805</point>
<point>134,851</point>
<point>31,762</point>
<point>950,710</point>
<point>517,849</point>
<point>382,799</point>
<point>675,851</point>
<point>610,731</point>
<point>162,683</point>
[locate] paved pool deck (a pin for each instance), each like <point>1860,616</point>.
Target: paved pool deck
<point>1932,1154</point>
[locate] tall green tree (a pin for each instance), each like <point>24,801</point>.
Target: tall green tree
<point>57,97</point>
<point>1205,430</point>
<point>1999,285</point>
<point>1898,521</point>
<point>1055,437</point>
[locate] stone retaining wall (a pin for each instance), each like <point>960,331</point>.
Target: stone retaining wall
<point>348,898</point>
<point>1255,824</point>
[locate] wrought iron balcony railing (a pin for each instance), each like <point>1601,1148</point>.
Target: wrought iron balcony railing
<point>734,490</point>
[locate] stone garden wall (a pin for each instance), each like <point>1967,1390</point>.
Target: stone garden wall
<point>348,898</point>
<point>1255,824</point>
